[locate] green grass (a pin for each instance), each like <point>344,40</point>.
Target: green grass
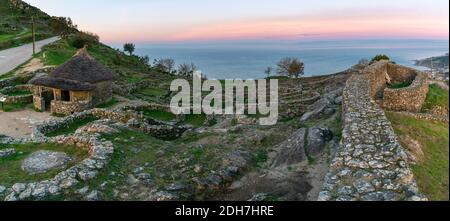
<point>72,127</point>
<point>432,174</point>
<point>159,115</point>
<point>153,92</point>
<point>18,93</point>
<point>57,52</point>
<point>108,104</point>
<point>10,167</point>
<point>399,85</point>
<point>14,107</point>
<point>196,120</point>
<point>436,97</point>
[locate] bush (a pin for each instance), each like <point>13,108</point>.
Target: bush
<point>380,57</point>
<point>81,39</point>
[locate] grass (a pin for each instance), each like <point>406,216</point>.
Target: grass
<point>399,85</point>
<point>108,104</point>
<point>153,92</point>
<point>432,174</point>
<point>196,120</point>
<point>159,115</point>
<point>436,97</point>
<point>72,127</point>
<point>18,93</point>
<point>10,167</point>
<point>14,107</point>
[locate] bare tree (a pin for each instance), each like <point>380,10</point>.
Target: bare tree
<point>187,69</point>
<point>291,67</point>
<point>268,71</point>
<point>165,65</point>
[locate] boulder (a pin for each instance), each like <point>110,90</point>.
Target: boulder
<point>292,150</point>
<point>317,139</point>
<point>43,161</point>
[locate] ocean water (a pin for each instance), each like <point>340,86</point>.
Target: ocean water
<point>247,60</point>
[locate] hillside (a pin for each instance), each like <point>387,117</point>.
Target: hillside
<point>438,62</point>
<point>16,23</point>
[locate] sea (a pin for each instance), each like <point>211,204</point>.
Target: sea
<point>249,59</point>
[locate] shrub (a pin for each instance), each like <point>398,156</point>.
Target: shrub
<point>380,57</point>
<point>81,39</point>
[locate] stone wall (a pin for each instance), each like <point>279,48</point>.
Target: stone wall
<point>370,164</point>
<point>130,119</point>
<point>68,108</point>
<point>19,98</point>
<point>99,155</point>
<point>410,98</point>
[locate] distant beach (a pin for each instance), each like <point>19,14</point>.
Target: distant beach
<point>249,59</point>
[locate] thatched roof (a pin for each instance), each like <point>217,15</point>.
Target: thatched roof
<point>80,73</point>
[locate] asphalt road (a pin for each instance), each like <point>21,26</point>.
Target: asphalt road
<point>13,57</point>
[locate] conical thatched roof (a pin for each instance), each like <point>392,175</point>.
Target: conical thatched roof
<point>80,73</point>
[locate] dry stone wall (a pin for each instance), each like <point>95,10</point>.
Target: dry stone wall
<point>28,98</point>
<point>370,164</point>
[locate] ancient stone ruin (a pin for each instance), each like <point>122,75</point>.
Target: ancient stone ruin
<point>370,163</point>
<point>410,98</point>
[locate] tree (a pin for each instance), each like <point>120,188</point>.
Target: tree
<point>291,67</point>
<point>62,26</point>
<point>268,71</point>
<point>380,57</point>
<point>165,65</point>
<point>129,47</point>
<point>187,69</point>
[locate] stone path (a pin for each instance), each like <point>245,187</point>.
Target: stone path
<point>370,164</point>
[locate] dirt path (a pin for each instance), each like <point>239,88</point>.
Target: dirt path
<point>18,124</point>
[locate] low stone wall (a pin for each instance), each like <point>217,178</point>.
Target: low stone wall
<point>410,98</point>
<point>68,107</point>
<point>370,164</point>
<point>99,155</point>
<point>130,119</point>
<point>19,98</point>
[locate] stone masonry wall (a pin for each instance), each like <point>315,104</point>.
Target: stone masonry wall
<point>19,98</point>
<point>410,98</point>
<point>370,164</point>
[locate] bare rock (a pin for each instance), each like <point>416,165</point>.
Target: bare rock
<point>317,139</point>
<point>413,149</point>
<point>43,161</point>
<point>292,150</point>
<point>7,152</point>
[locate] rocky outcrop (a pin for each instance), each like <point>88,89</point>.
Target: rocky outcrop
<point>43,161</point>
<point>370,164</point>
<point>292,150</point>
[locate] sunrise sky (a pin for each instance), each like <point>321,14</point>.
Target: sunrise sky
<point>217,20</point>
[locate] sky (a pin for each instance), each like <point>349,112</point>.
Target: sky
<point>142,21</point>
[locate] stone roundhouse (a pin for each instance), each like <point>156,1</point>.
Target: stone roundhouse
<point>78,84</point>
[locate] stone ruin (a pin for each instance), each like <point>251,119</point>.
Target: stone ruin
<point>370,164</point>
<point>410,98</point>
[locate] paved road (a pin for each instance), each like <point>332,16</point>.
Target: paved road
<point>13,57</point>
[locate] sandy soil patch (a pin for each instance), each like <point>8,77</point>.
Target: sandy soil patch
<point>18,124</point>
